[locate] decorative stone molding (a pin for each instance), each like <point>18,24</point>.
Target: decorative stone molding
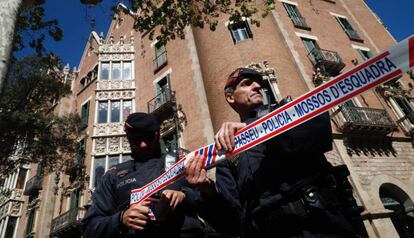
<point>115,84</point>
<point>166,126</point>
<point>265,70</point>
<point>100,145</point>
<point>107,129</point>
<point>319,77</point>
<point>35,203</point>
<point>125,144</point>
<point>393,89</point>
<point>115,95</point>
<point>15,208</point>
<point>114,145</point>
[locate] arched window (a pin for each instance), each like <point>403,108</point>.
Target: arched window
<point>395,199</point>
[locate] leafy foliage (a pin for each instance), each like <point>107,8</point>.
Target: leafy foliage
<point>29,130</point>
<point>169,18</point>
<point>32,30</point>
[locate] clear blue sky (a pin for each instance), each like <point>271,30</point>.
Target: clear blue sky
<point>73,19</point>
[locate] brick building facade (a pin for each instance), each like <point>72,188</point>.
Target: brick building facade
<point>300,45</point>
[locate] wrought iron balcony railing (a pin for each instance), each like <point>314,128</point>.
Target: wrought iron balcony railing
<point>353,35</point>
<point>162,105</point>
<point>407,123</point>
<point>330,61</point>
<point>300,22</point>
<point>66,222</point>
<point>363,120</point>
<point>33,185</point>
<point>160,61</point>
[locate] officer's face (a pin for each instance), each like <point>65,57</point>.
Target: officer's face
<point>246,95</point>
<point>144,146</point>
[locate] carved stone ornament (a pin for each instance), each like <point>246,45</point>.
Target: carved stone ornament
<point>265,70</point>
<point>116,48</point>
<point>108,129</point>
<point>166,126</point>
<point>319,77</point>
<point>125,145</point>
<point>100,145</point>
<point>114,144</point>
<point>15,208</point>
<point>115,84</point>
<point>116,57</point>
<point>393,89</point>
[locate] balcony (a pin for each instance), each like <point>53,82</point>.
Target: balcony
<point>353,35</point>
<point>163,105</point>
<point>67,224</point>
<point>300,22</point>
<point>160,61</point>
<point>328,60</point>
<point>33,185</point>
<point>360,120</point>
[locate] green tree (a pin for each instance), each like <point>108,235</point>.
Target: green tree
<point>29,130</point>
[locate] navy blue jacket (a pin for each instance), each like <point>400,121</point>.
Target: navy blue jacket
<point>112,197</point>
<point>269,168</point>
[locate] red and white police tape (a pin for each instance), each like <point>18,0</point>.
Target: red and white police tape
<point>379,69</point>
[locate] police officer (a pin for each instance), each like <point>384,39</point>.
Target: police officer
<point>159,216</point>
<point>283,187</point>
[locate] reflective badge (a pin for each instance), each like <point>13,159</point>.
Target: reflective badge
<point>122,173</point>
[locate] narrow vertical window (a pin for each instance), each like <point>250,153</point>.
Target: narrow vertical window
<point>240,31</point>
<point>115,111</point>
<point>98,170</point>
<point>112,161</point>
<point>365,54</point>
<point>85,114</point>
<point>127,71</point>
<point>104,71</point>
<point>349,30</point>
<point>126,109</point>
<point>102,112</point>
<point>116,71</point>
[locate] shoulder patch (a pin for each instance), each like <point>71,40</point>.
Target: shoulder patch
<point>122,173</point>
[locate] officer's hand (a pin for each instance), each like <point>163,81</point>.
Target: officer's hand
<point>136,216</point>
<point>225,136</point>
<point>196,175</point>
<point>172,198</point>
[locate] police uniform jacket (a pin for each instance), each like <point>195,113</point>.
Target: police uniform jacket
<point>271,169</point>
<point>112,197</point>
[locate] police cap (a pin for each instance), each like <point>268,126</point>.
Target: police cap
<point>141,122</point>
<point>240,73</point>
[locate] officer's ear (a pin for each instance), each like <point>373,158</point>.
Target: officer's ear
<point>229,97</point>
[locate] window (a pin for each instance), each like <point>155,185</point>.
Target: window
<point>127,71</point>
<point>85,114</point>
<point>11,225</point>
<point>114,110</point>
<point>30,221</point>
<point>160,56</point>
<point>21,178</point>
<point>75,198</point>
<point>346,26</point>
<point>103,112</point>
<point>103,163</point>
<point>310,45</point>
<point>104,71</point>
<point>240,31</point>
<point>162,90</point>
<point>116,71</point>
<point>406,107</point>
<point>294,15</point>
<point>365,54</point>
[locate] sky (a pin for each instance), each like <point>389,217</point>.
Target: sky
<point>74,19</point>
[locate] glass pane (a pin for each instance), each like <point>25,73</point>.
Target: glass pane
<point>98,170</point>
<point>127,71</point>
<point>113,160</point>
<point>236,35</point>
<point>159,50</point>
<point>116,71</point>
<point>244,34</point>
<point>115,110</point>
<point>104,71</point>
<point>11,225</point>
<point>102,112</point>
<point>127,109</point>
<point>21,178</point>
<point>85,114</point>
<point>126,158</point>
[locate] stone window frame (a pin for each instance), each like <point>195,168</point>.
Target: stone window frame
<point>121,159</point>
<point>111,63</point>
<point>244,23</point>
<point>109,107</point>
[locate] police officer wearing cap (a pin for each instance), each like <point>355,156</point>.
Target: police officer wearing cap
<point>281,188</point>
<point>163,215</point>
